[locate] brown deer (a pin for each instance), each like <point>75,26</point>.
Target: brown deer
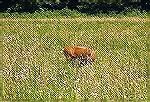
<point>84,55</point>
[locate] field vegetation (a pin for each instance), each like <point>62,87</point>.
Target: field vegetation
<point>67,13</point>
<point>34,67</point>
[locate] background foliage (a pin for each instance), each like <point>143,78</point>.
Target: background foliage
<point>80,5</point>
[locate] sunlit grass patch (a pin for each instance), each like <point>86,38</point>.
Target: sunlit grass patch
<point>34,66</point>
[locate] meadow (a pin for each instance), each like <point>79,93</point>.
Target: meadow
<point>34,67</point>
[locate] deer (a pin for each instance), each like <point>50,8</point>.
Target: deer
<point>83,55</point>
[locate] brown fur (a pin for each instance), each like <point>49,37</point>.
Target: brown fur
<point>74,52</point>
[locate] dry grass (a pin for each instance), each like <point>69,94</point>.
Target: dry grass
<point>87,19</point>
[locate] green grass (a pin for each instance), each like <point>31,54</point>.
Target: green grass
<point>67,13</point>
<point>34,67</point>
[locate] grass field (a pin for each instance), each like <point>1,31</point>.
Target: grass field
<point>34,67</point>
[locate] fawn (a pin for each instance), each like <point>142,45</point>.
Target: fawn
<point>83,55</point>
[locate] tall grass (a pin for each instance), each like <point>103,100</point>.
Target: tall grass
<point>34,67</point>
<point>67,13</point>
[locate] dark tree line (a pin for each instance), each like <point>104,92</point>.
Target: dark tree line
<point>87,6</point>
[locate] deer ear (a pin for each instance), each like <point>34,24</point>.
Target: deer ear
<point>89,52</point>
